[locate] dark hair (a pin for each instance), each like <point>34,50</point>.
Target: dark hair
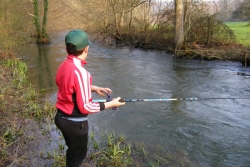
<point>71,49</point>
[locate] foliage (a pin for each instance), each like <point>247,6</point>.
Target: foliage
<point>209,31</point>
<point>13,23</point>
<point>18,101</point>
<point>131,22</point>
<point>150,24</point>
<point>24,93</point>
<point>114,152</point>
<point>142,23</point>
<point>19,71</point>
<point>242,11</point>
<point>117,151</point>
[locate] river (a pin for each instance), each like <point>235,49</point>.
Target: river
<point>213,132</point>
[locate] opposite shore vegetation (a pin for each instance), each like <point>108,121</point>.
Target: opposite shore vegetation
<point>21,107</point>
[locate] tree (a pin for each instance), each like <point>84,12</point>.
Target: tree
<point>243,10</point>
<point>178,26</point>
<point>42,36</point>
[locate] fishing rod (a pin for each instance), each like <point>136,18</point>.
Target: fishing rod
<point>168,99</point>
<point>241,73</point>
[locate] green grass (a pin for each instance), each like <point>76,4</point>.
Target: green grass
<point>241,31</point>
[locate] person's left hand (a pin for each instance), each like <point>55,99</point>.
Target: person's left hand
<point>100,91</point>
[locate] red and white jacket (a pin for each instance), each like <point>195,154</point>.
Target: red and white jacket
<point>74,97</point>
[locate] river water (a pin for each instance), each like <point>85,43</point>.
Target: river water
<point>211,132</point>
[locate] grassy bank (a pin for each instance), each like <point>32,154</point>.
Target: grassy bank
<point>25,140</point>
<point>241,31</point>
<point>19,105</point>
<point>235,51</point>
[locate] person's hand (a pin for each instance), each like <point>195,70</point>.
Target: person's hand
<point>101,91</point>
<point>114,103</point>
<point>117,103</point>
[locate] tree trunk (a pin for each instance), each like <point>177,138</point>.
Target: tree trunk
<point>179,31</point>
<point>42,36</point>
<point>44,33</point>
<point>36,19</point>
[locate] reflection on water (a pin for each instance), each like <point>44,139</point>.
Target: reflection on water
<point>44,73</point>
<point>211,132</point>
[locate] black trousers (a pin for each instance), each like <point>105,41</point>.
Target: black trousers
<point>76,138</point>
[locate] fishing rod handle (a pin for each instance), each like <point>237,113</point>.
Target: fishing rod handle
<point>122,100</point>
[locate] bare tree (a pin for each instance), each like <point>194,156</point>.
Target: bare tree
<point>243,10</point>
<point>226,7</point>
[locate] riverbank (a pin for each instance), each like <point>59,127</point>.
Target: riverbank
<point>228,52</point>
<point>20,108</point>
<point>232,52</point>
<point>236,50</point>
<point>240,51</point>
<point>28,135</point>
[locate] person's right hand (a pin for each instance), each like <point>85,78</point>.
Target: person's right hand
<point>117,103</point>
<point>114,103</point>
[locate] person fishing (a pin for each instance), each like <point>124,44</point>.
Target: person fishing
<point>74,99</point>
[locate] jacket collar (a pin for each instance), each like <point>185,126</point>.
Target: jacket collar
<point>75,59</point>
